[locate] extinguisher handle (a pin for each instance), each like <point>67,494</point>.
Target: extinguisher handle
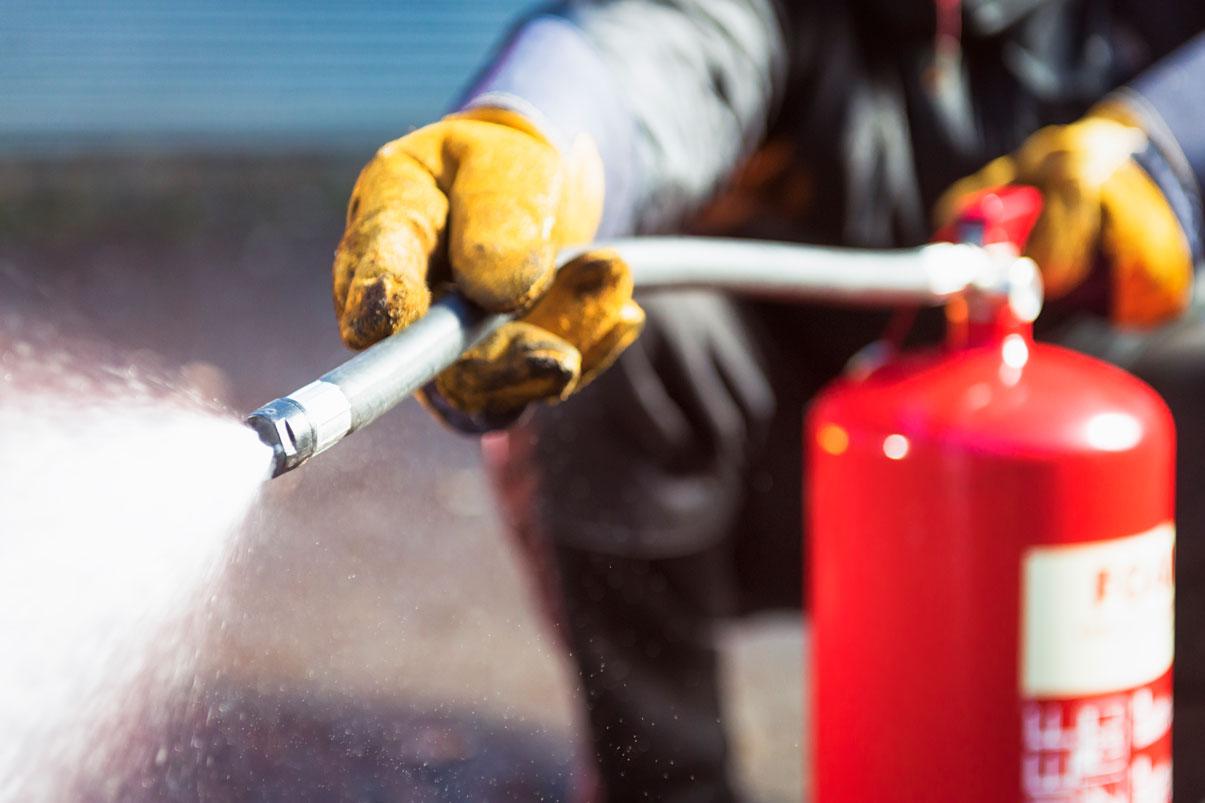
<point>994,218</point>
<point>996,215</point>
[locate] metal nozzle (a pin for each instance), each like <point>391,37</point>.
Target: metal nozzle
<point>314,418</point>
<point>284,427</point>
<point>299,426</point>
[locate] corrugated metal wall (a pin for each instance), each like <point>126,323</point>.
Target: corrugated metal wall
<point>311,72</point>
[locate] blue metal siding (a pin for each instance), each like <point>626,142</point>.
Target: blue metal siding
<point>252,71</point>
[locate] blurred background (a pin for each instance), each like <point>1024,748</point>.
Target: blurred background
<point>258,74</point>
<point>172,183</point>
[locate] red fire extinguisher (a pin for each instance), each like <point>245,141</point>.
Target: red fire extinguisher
<point>991,568</point>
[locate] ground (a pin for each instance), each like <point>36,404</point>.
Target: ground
<point>375,638</point>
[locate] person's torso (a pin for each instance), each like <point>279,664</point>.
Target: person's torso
<point>879,120</point>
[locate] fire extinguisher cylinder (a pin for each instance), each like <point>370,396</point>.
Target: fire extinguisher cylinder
<point>990,554</point>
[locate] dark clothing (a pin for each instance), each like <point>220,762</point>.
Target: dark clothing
<point>694,435</point>
<point>677,92</point>
<point>669,489</point>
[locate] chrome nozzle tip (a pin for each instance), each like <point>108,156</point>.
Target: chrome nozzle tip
<point>284,427</point>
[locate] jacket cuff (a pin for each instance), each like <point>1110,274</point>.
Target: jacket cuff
<point>1182,196</point>
<point>1171,95</point>
<point>1168,101</point>
<point>550,73</point>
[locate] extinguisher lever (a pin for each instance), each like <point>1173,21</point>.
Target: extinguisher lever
<point>999,220</point>
<point>994,216</point>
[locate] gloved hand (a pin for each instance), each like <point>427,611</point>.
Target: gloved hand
<point>1098,200</point>
<point>481,201</point>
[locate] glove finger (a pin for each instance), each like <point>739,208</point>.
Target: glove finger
<point>997,173</point>
<point>575,331</point>
<point>629,322</point>
<point>1148,252</point>
<point>395,227</point>
<point>1070,164</point>
<point>504,200</point>
<point>516,365</point>
<point>1064,238</point>
<point>590,306</point>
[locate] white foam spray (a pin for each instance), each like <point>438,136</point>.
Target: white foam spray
<point>119,497</point>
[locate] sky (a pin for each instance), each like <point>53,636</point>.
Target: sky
<point>253,72</point>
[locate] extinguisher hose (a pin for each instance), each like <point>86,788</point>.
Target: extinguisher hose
<point>356,393</point>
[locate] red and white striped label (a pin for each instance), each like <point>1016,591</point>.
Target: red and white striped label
<point>1097,634</point>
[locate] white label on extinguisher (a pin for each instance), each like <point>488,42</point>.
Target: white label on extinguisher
<point>1097,617</point>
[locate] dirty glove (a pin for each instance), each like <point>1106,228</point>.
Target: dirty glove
<point>481,201</point>
<point>1098,201</point>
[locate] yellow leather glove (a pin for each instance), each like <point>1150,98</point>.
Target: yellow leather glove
<point>482,201</point>
<point>1097,200</point>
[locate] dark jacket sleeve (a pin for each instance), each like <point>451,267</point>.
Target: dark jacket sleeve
<point>1170,99</point>
<point>674,92</point>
